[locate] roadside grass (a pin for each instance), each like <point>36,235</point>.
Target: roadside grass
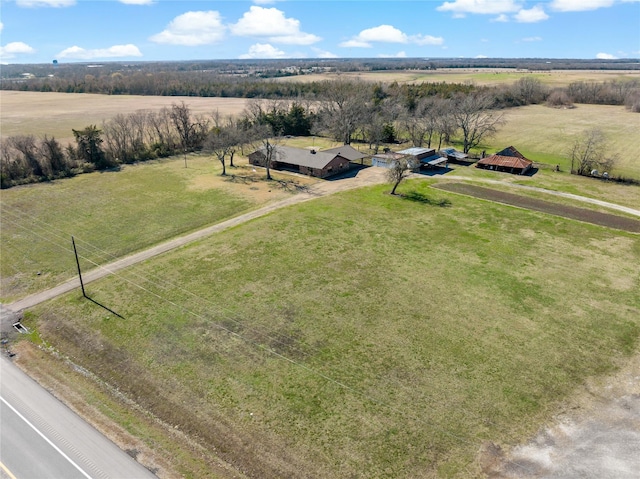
<point>117,213</point>
<point>360,335</point>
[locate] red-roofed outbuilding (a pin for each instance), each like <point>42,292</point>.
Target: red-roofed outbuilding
<point>509,160</point>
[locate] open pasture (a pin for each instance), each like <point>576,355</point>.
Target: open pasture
<point>476,76</point>
<point>546,135</point>
<point>117,213</point>
<point>56,114</point>
<point>362,335</point>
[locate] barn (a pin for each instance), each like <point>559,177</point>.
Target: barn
<point>311,162</point>
<point>509,160</point>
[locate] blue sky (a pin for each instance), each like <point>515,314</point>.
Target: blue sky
<point>39,31</point>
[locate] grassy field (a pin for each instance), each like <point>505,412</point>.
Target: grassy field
<point>117,213</point>
<point>56,114</point>
<point>546,134</point>
<point>362,335</point>
<point>477,76</point>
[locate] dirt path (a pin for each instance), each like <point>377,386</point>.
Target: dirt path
<point>584,199</point>
<point>581,214</point>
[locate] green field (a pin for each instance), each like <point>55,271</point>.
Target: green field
<point>476,76</point>
<point>117,213</point>
<point>546,135</point>
<point>362,335</point>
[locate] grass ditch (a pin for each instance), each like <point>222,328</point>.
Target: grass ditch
<point>360,335</point>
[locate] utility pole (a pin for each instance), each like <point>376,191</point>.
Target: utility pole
<point>73,241</point>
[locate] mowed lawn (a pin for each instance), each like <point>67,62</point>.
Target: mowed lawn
<point>546,135</point>
<point>112,214</point>
<point>362,335</point>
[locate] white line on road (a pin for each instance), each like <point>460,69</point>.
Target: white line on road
<point>46,438</point>
<point>7,471</point>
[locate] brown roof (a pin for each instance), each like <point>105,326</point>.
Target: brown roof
<point>347,151</point>
<point>507,158</point>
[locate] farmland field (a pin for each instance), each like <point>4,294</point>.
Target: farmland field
<point>477,76</point>
<point>56,114</point>
<point>362,335</point>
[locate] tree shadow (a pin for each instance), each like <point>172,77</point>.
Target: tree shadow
<point>424,199</point>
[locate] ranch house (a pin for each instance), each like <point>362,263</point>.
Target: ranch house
<point>311,162</point>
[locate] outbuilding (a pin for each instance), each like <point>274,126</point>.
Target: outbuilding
<point>509,160</point>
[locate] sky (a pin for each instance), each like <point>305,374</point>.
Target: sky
<point>39,31</point>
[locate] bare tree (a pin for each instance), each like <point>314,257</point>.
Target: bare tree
<point>399,170</point>
<point>475,118</point>
<point>344,108</point>
<point>529,90</point>
<point>264,140</point>
<point>222,140</point>
<point>26,145</point>
<point>590,152</point>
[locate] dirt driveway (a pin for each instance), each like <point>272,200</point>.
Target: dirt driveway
<point>589,216</point>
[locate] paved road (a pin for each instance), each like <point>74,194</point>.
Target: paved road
<point>41,438</point>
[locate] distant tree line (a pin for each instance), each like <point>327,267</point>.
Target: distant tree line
<point>208,83</point>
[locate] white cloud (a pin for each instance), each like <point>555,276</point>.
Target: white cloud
<point>1,26</point>
<point>324,54</point>
<point>10,50</point>
<point>490,7</point>
<point>272,24</point>
<point>501,18</point>
<point>116,51</point>
<point>533,15</point>
<point>263,50</point>
<point>137,2</point>
<point>191,29</point>
<point>382,33</point>
<point>579,5</point>
<point>532,39</point>
<point>605,56</point>
<point>401,54</point>
<point>389,34</point>
<point>45,3</point>
<point>482,56</point>
<point>355,44</point>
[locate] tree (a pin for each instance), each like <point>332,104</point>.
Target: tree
<point>223,140</point>
<point>399,170</point>
<point>473,115</point>
<point>26,145</point>
<point>53,154</point>
<point>89,147</point>
<point>590,152</point>
<point>263,138</point>
<point>344,108</point>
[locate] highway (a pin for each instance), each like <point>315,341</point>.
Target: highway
<point>40,438</point>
